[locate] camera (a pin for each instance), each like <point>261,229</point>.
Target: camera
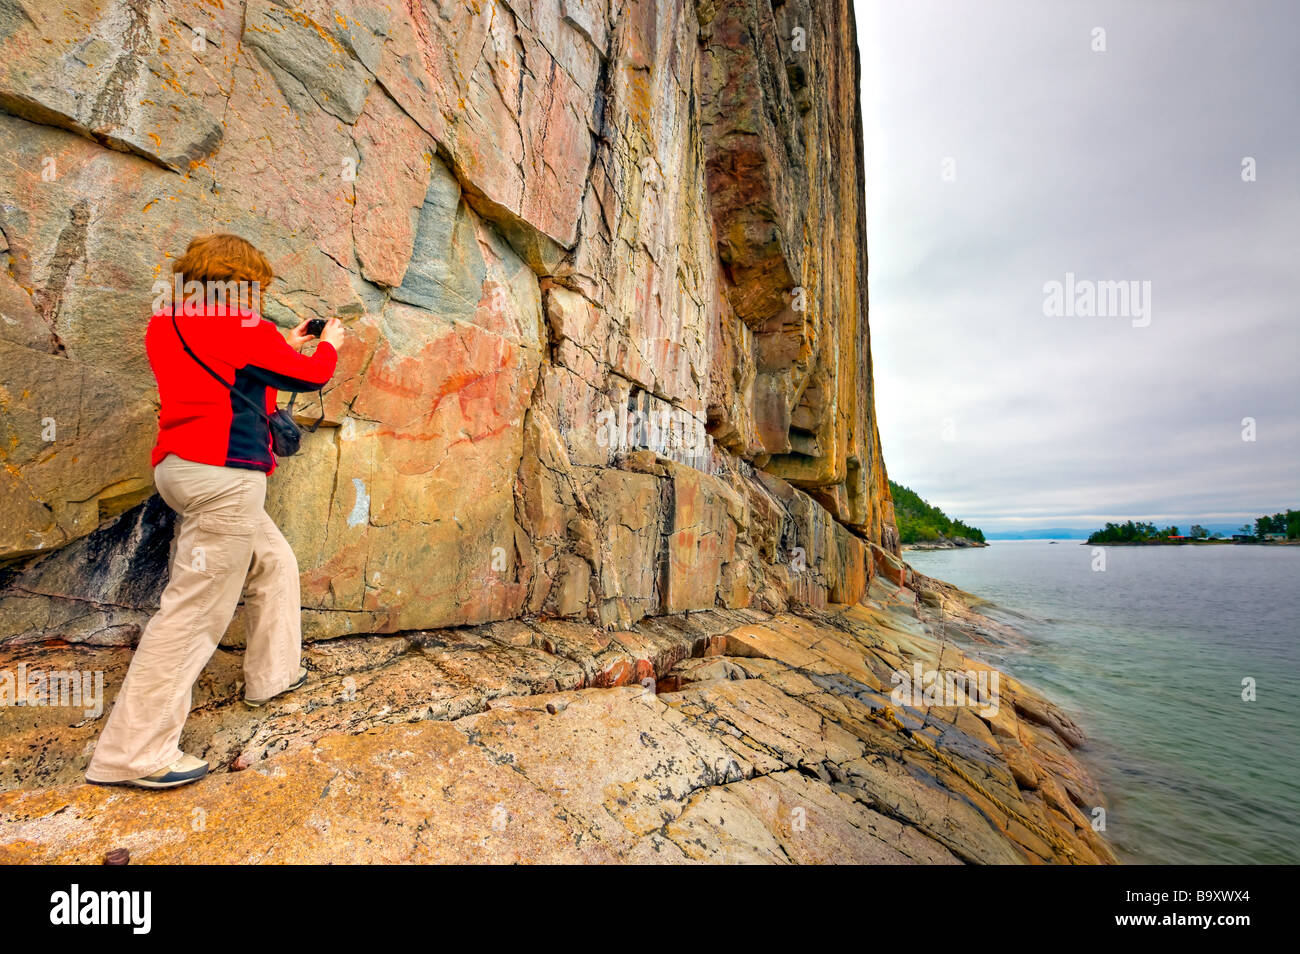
<point>315,326</point>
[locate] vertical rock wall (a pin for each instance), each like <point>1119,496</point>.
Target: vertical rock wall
<point>603,266</point>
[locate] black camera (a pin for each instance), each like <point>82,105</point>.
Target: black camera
<point>315,326</point>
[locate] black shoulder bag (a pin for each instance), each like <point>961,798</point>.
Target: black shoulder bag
<point>286,435</point>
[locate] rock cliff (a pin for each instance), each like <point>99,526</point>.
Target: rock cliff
<point>603,268</point>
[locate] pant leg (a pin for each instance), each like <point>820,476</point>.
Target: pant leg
<point>272,603</point>
<point>219,508</point>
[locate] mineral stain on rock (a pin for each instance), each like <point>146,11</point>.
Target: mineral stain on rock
<point>361,508</point>
<point>69,251</point>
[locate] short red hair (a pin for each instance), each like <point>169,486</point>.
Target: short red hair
<point>223,258</point>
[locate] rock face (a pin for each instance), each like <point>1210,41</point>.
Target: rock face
<point>603,267</point>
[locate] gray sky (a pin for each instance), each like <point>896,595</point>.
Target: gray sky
<point>1122,165</point>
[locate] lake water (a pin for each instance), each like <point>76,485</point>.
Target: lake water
<point>1148,656</point>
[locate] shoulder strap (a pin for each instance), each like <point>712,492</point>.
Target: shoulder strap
<point>233,390</point>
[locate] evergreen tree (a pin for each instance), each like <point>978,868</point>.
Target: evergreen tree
<point>919,522</point>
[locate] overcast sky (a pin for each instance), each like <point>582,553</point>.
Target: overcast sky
<point>1115,166</point>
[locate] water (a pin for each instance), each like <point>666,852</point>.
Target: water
<point>1149,657</point>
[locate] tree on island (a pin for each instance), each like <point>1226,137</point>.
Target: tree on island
<point>1130,532</point>
<point>1287,524</point>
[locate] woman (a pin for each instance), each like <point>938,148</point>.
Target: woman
<point>211,461</point>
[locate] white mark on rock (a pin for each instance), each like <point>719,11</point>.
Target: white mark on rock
<point>361,509</point>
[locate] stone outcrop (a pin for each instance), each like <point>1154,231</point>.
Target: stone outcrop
<point>603,268</point>
<point>944,543</point>
<point>724,735</point>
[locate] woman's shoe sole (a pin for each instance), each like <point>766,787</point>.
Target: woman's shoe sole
<point>147,783</point>
<point>302,681</point>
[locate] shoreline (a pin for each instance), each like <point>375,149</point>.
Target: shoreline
<point>1194,543</point>
<point>766,738</point>
<point>971,545</point>
<point>962,544</point>
<point>1158,621</point>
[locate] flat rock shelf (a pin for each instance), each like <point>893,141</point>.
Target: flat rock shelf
<point>718,736</point>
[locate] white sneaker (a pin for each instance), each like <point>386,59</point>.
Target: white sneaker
<point>184,770</point>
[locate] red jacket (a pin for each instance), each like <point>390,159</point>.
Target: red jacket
<point>202,421</point>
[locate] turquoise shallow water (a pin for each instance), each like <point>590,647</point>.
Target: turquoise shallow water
<point>1149,657</point>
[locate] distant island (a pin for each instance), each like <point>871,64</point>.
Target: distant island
<point>1278,528</point>
<point>1041,533</point>
<point>924,527</point>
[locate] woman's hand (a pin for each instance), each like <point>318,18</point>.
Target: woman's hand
<point>333,333</point>
<point>298,337</point>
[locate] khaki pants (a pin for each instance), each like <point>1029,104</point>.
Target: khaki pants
<point>223,536</point>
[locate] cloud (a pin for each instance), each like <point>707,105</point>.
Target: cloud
<point>1123,165</point>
